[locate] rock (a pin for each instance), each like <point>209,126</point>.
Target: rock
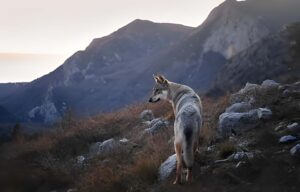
<point>238,156</point>
<point>287,139</point>
<point>295,151</point>
<point>157,125</point>
<point>239,107</point>
<point>147,115</point>
<point>264,113</point>
<point>211,148</point>
<point>294,127</point>
<point>167,167</point>
<point>80,159</point>
<point>270,84</point>
<point>237,122</point>
<point>246,94</point>
<point>104,147</point>
<point>124,140</point>
<point>280,126</point>
<point>72,190</point>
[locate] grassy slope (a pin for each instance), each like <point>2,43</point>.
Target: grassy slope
<point>47,162</point>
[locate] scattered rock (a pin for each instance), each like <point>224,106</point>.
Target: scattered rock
<point>157,125</point>
<point>167,167</point>
<point>280,127</point>
<point>239,107</point>
<point>147,115</point>
<point>264,113</point>
<point>287,139</point>
<point>104,147</point>
<point>295,151</point>
<point>236,157</point>
<point>211,148</point>
<point>80,159</point>
<point>294,127</point>
<point>124,140</point>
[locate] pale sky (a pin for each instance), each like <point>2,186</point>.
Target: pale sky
<point>58,28</point>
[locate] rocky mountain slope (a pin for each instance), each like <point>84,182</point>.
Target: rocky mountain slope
<point>116,70</point>
<point>276,57</point>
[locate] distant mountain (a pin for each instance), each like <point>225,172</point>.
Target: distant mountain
<point>116,70</point>
<point>94,80</point>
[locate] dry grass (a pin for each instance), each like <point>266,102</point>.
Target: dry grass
<point>47,161</point>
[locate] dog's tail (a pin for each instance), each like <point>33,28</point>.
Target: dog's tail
<point>188,151</point>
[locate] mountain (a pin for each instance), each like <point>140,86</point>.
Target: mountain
<point>275,57</point>
<point>93,80</point>
<point>229,29</point>
<point>116,70</point>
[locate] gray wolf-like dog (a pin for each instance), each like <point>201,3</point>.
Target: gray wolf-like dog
<point>188,121</point>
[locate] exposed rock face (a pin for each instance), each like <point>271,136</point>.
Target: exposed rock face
<point>272,57</point>
<point>167,168</point>
<point>156,125</point>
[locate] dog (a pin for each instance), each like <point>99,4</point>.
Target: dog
<point>188,121</point>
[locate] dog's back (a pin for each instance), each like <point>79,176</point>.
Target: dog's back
<point>188,122</point>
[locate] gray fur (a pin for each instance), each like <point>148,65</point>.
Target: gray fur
<point>188,114</point>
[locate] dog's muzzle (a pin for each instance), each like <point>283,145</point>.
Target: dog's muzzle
<point>153,101</point>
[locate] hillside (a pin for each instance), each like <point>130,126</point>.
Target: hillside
<point>124,150</point>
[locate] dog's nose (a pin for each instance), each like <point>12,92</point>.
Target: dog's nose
<point>150,100</point>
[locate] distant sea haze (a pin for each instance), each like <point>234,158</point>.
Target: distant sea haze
<point>25,67</point>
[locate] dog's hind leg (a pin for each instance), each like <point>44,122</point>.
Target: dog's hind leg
<point>178,150</point>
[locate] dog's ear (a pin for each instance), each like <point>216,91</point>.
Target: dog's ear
<point>156,78</point>
<point>162,80</point>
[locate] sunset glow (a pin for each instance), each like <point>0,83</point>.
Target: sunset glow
<point>60,28</point>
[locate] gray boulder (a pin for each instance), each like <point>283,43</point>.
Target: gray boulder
<point>167,168</point>
<point>295,151</point>
<point>287,139</point>
<point>239,107</point>
<point>294,127</point>
<point>237,122</point>
<point>240,122</point>
<point>147,115</point>
<point>156,125</point>
<point>264,113</point>
<point>246,94</point>
<point>103,147</point>
<point>269,84</point>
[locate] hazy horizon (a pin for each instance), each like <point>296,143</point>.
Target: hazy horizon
<point>55,29</point>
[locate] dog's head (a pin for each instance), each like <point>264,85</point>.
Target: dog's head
<point>160,89</point>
